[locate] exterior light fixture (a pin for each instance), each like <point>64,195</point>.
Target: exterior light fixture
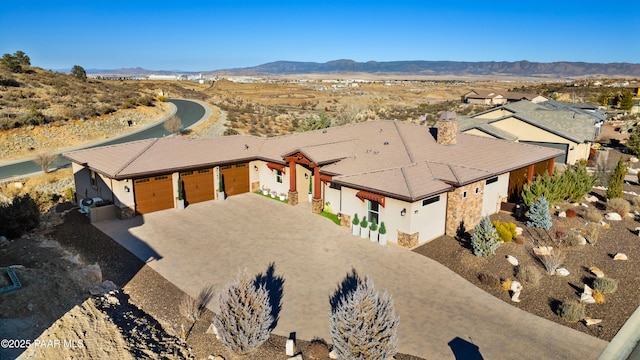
<point>255,167</point>
<point>403,212</point>
<point>306,176</point>
<point>126,189</point>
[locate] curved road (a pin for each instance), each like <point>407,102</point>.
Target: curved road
<point>189,111</point>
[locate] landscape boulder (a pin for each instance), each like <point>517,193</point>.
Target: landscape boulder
<point>612,216</point>
<point>587,295</point>
<point>562,272</point>
<point>512,260</point>
<point>596,271</point>
<point>620,256</point>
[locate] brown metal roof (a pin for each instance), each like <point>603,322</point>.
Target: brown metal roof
<point>393,158</point>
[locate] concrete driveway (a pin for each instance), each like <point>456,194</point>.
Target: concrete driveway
<point>441,314</point>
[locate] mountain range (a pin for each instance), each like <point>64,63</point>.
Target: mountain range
<point>423,68</point>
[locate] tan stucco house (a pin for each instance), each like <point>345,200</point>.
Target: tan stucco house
<point>422,182</point>
<point>567,127</point>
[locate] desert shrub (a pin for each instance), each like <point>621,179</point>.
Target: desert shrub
<point>161,98</point>
<point>571,213</point>
<point>485,240</point>
<point>528,274</point>
<point>244,320</point>
<point>593,233</point>
<point>571,311</point>
<point>593,215</point>
<point>616,180</point>
<point>318,349</point>
<point>506,230</point>
<point>539,216</point>
<point>19,216</point>
<point>192,308</point>
<point>574,238</point>
<point>636,199</point>
<point>598,296</point>
<point>552,260</point>
<point>506,284</point>
<point>619,205</point>
<point>571,185</point>
<point>489,280</point>
<point>519,240</point>
<point>364,325</point>
<point>606,285</point>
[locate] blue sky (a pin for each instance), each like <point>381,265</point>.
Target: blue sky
<point>210,35</point>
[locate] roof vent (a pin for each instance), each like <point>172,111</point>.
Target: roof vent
<point>324,131</point>
<point>386,143</point>
<point>246,147</point>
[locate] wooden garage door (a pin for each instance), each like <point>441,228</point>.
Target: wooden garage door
<point>197,185</point>
<point>153,194</point>
<point>236,179</point>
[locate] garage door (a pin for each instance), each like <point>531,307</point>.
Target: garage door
<point>197,185</point>
<point>153,194</point>
<point>560,159</point>
<point>236,179</point>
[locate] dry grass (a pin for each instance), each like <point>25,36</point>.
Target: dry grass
<point>620,206</point>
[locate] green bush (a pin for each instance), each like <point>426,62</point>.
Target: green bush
<point>506,230</point>
<point>571,185</point>
<point>364,223</point>
<point>485,240</point>
<point>616,180</point>
<point>374,225</point>
<point>605,285</point>
<point>355,220</point>
<point>19,216</point>
<point>539,216</point>
<point>571,311</point>
<point>383,228</point>
<point>619,205</point>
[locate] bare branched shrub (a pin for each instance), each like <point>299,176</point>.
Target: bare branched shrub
<point>528,275</point>
<point>593,233</point>
<point>489,280</point>
<point>364,325</point>
<point>45,159</point>
<point>244,320</point>
<point>552,260</point>
<point>318,349</point>
<point>619,205</point>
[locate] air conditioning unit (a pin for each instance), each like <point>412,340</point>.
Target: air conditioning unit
<point>86,204</point>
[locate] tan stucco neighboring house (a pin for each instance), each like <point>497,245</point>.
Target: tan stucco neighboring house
<point>570,129</point>
<point>421,182</point>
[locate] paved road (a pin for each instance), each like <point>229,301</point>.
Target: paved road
<point>442,316</point>
<point>189,111</point>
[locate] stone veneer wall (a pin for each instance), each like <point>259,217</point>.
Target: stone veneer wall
<point>408,241</point>
<point>468,210</point>
<point>447,130</point>
<point>316,206</point>
<point>345,220</point>
<point>125,212</point>
<point>293,198</point>
<point>255,186</point>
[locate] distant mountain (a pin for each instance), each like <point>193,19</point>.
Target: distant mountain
<point>434,68</point>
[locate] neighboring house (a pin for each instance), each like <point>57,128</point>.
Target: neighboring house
<point>635,109</point>
<point>422,182</point>
<point>493,97</point>
<point>484,97</point>
<point>570,128</point>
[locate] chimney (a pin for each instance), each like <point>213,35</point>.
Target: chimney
<point>447,128</point>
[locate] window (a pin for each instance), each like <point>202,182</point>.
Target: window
<point>279,176</point>
<point>333,185</point>
<point>477,190</point>
<point>94,179</point>
<point>431,200</point>
<point>491,181</point>
<point>464,194</point>
<point>204,171</point>
<point>373,211</point>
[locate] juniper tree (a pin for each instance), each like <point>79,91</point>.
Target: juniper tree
<point>539,216</point>
<point>364,325</point>
<point>485,240</point>
<point>616,180</point>
<point>244,320</point>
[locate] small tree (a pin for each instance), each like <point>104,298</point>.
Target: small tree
<point>364,325</point>
<point>625,100</point>
<point>244,321</point>
<point>78,72</point>
<point>485,240</point>
<point>174,124</point>
<point>616,180</point>
<point>539,216</point>
<point>45,159</point>
<point>633,144</point>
